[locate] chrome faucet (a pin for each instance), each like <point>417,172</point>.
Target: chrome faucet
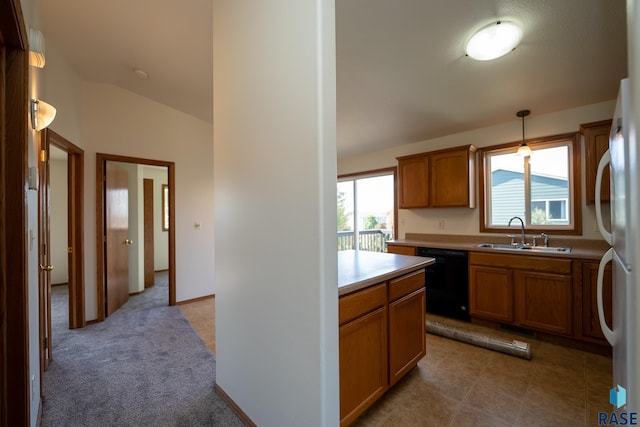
<point>524,237</point>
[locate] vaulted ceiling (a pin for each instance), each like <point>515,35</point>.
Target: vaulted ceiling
<point>401,71</point>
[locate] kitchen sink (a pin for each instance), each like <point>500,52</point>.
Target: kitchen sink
<point>520,248</point>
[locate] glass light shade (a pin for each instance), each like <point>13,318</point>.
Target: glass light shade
<point>42,114</point>
<point>524,150</point>
<point>494,41</point>
<point>36,48</point>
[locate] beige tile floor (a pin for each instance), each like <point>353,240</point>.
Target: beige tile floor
<point>457,384</point>
<point>202,316</point>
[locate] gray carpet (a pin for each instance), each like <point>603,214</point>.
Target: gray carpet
<point>143,366</point>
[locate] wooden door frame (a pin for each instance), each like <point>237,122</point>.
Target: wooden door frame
<point>75,225</point>
<point>101,160</point>
<point>148,231</point>
<point>14,280</point>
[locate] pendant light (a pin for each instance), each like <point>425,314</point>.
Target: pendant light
<point>523,149</point>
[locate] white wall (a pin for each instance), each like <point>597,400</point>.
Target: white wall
<point>275,210</point>
<point>160,237</point>
<point>467,221</point>
<point>58,216</point>
<point>62,88</point>
<point>124,123</point>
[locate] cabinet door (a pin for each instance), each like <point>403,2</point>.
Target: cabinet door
<point>363,363</point>
<point>590,320</point>
<point>450,178</point>
<point>402,250</point>
<point>406,334</point>
<point>413,178</point>
<point>596,142</point>
<point>545,301</point>
<point>491,293</point>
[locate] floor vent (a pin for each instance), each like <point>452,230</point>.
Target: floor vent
<point>518,330</point>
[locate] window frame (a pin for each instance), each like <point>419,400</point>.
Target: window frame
<point>372,174</point>
<point>574,203</point>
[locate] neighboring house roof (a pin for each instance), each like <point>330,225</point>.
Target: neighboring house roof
<point>501,176</point>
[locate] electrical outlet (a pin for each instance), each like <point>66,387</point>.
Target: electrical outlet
<point>441,224</point>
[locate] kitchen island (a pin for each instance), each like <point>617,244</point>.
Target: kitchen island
<point>382,324</point>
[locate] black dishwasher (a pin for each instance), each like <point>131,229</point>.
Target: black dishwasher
<point>447,282</point>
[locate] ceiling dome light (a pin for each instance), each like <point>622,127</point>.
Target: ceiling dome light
<point>141,74</point>
<point>493,41</point>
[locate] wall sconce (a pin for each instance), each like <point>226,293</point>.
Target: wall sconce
<point>523,150</point>
<point>42,114</point>
<point>36,48</point>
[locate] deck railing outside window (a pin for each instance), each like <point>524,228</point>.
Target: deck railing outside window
<point>369,240</point>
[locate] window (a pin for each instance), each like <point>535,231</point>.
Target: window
<point>367,209</point>
<point>540,189</point>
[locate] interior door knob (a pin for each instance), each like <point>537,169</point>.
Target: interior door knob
<point>46,267</point>
<point>128,242</point>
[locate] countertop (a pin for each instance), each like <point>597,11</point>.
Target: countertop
<point>360,269</point>
<point>580,249</point>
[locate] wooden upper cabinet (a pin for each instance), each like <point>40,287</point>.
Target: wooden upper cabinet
<point>438,179</point>
<point>413,175</point>
<point>452,178</point>
<point>596,141</point>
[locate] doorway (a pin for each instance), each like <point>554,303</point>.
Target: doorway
<point>101,204</point>
<point>61,234</point>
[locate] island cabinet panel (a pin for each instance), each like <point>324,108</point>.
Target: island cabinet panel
<point>413,177</point>
<point>382,337</point>
<point>545,301</point>
<point>406,333</point>
<point>358,303</point>
<point>406,284</point>
<point>438,179</point>
<point>363,363</point>
<point>401,250</point>
<point>590,319</point>
<point>491,293</point>
<point>596,142</point>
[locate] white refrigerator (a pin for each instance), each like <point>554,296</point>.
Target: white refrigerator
<point>623,334</point>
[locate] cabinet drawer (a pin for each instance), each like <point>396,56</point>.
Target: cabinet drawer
<point>522,262</point>
<point>406,284</point>
<point>361,302</point>
<point>401,250</point>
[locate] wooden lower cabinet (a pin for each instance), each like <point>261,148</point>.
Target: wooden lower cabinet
<point>545,301</point>
<point>363,363</point>
<point>382,337</point>
<point>491,293</point>
<point>532,292</point>
<point>406,333</point>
